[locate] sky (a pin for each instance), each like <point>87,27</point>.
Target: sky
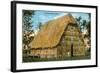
<point>45,16</point>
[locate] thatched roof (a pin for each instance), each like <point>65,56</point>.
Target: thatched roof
<point>51,32</point>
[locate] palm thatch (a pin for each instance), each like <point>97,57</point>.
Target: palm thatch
<point>51,32</point>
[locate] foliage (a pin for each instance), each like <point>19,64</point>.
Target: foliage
<point>84,24</point>
<point>27,27</point>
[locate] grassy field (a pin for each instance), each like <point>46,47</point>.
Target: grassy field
<point>30,59</point>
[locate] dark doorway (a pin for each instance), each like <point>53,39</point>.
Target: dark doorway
<point>71,50</point>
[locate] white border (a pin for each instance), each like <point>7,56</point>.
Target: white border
<point>37,65</point>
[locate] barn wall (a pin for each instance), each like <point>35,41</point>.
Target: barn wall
<point>45,52</point>
<point>70,36</point>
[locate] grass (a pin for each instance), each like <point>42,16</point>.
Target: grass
<point>31,59</point>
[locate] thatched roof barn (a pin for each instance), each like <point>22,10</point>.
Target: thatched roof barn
<point>58,38</point>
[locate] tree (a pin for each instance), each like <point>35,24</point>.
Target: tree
<point>82,23</point>
<point>27,27</point>
<point>79,18</point>
<point>79,22</point>
<point>89,25</point>
<point>85,25</point>
<point>89,28</point>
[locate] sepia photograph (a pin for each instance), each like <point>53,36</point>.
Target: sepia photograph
<point>55,36</point>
